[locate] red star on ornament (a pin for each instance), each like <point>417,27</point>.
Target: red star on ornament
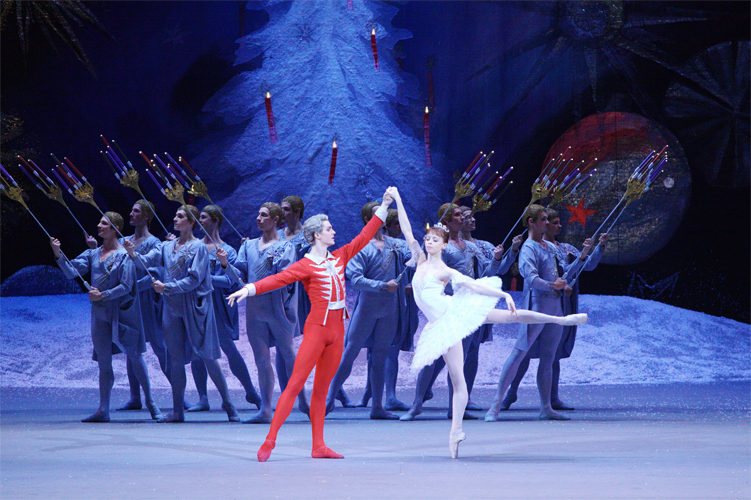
<point>579,213</point>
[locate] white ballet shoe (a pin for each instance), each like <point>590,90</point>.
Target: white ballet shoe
<point>575,319</point>
<point>454,443</point>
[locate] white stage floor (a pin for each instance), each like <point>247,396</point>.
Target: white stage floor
<point>630,441</point>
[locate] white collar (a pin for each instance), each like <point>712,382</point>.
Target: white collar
<point>317,259</point>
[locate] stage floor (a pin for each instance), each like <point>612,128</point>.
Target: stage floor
<point>628,441</point>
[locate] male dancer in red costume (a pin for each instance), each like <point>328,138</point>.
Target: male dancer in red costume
<point>322,275</point>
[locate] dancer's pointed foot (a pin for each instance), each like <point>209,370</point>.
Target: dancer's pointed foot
<point>454,439</point>
<point>172,418</point>
<point>344,399</point>
<point>98,417</point>
<point>325,452</point>
<point>202,405</point>
<point>186,405</point>
<point>575,319</point>
<point>395,405</point>
<point>508,401</point>
<point>552,415</point>
<point>428,396</point>
<point>253,398</point>
<point>231,411</point>
<point>154,410</point>
<point>561,406</point>
<point>264,452</point>
<point>411,414</point>
<point>382,415</point>
<point>262,417</point>
<point>132,404</point>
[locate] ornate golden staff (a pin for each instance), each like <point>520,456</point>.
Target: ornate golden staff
<point>47,186</point>
<point>173,192</point>
<point>638,184</point>
<point>199,188</point>
<point>466,184</point>
<point>83,191</point>
<point>128,176</point>
<point>15,193</point>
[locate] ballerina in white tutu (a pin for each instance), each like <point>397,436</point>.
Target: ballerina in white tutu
<point>451,318</point>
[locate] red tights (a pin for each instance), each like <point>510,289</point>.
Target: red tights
<point>321,348</point>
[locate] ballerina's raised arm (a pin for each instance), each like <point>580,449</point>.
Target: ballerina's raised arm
<point>418,256</point>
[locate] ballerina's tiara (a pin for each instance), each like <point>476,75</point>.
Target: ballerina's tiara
<point>441,227</point>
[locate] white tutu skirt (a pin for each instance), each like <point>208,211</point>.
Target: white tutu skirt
<point>466,312</point>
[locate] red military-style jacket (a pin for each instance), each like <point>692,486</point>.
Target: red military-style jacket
<point>323,278</point>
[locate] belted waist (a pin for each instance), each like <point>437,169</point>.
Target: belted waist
<point>339,304</point>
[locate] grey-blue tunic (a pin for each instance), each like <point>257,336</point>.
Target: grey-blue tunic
<point>567,255</point>
<point>408,318</point>
<point>369,272</point>
<point>299,302</point>
<point>150,301</point>
<point>118,313</point>
<point>537,265</point>
<point>188,295</point>
<point>274,309</point>
<point>227,318</point>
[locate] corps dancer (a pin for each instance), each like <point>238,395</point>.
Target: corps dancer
<point>322,274</point>
<point>566,255</point>
<point>269,319</point>
<point>227,318</point>
<point>489,251</point>
<point>141,216</point>
<point>408,322</point>
<point>372,272</point>
<point>188,313</point>
<point>542,292</point>
<point>452,318</point>
<point>293,210</point>
<point>115,312</point>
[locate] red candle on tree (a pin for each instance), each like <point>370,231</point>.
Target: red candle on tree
<point>375,49</point>
<point>332,169</point>
<point>270,118</point>
<point>426,130</point>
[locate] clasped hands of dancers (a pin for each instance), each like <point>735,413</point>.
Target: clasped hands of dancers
<point>193,276</point>
<point>450,319</point>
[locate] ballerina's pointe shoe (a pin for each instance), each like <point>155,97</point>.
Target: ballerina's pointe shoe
<point>264,452</point>
<point>575,319</point>
<point>454,441</point>
<point>325,452</point>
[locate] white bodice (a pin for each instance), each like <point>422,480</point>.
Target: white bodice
<point>430,295</point>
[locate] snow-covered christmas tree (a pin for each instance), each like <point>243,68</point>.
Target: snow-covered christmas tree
<point>318,67</point>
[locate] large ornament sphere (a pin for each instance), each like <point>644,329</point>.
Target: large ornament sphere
<point>620,141</point>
